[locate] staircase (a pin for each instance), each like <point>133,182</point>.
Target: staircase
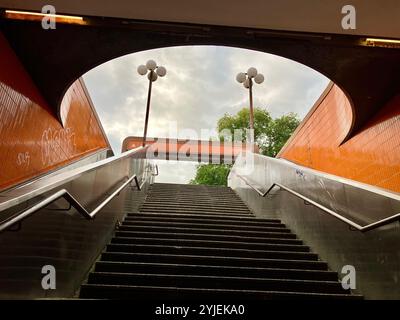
<point>193,242</point>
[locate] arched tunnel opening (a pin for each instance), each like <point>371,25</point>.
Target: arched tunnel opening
<point>201,81</point>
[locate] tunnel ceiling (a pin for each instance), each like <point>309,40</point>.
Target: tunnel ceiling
<point>369,76</point>
<point>373,17</point>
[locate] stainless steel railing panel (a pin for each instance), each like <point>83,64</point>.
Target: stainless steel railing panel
<point>374,254</point>
<point>57,235</point>
<point>362,206</point>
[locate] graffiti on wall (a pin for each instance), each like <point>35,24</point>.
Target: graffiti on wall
<point>23,159</point>
<point>57,144</point>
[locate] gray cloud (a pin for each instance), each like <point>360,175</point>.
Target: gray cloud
<point>199,88</point>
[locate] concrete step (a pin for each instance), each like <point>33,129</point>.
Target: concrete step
<point>197,213</point>
<point>240,218</point>
<point>207,251</point>
<point>190,197</point>
<point>192,211</point>
<point>198,294</point>
<point>211,244</point>
<point>214,282</point>
<point>287,238</point>
<point>211,270</point>
<point>203,220</point>
<point>215,260</point>
<point>216,231</point>
<point>220,206</point>
<point>169,224</point>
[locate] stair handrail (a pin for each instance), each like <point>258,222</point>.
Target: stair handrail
<point>64,193</point>
<point>154,174</point>
<point>18,194</point>
<point>353,224</point>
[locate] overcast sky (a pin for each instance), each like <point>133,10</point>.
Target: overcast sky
<point>199,88</point>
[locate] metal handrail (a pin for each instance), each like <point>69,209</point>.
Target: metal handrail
<point>155,174</point>
<point>47,184</point>
<point>353,224</point>
<point>63,193</point>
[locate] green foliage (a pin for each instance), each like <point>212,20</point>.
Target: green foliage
<point>281,130</point>
<point>212,174</point>
<point>229,123</point>
<point>270,135</point>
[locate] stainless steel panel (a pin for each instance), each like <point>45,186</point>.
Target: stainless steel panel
<point>63,238</point>
<point>358,202</point>
<point>374,254</point>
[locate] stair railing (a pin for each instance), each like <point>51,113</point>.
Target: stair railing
<point>155,173</point>
<point>63,193</point>
<point>371,226</point>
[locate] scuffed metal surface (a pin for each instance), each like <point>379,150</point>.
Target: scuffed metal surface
<point>361,203</point>
<point>374,254</point>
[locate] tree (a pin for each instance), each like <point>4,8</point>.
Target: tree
<point>262,122</point>
<point>212,174</point>
<point>269,134</point>
<point>281,130</point>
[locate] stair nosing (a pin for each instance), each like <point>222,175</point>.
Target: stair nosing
<point>250,217</point>
<point>278,230</point>
<point>218,242</point>
<point>213,235</point>
<point>206,248</point>
<point>192,219</point>
<point>168,223</point>
<point>213,257</point>
<point>291,293</point>
<point>215,266</point>
<point>217,277</point>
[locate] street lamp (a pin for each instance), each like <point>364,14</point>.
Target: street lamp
<point>153,72</point>
<point>247,80</point>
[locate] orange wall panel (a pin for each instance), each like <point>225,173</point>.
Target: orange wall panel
<point>32,140</point>
<point>372,156</point>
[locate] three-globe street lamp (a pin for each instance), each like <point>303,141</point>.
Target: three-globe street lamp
<point>247,80</point>
<point>153,72</point>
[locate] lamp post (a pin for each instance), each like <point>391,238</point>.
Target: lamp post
<point>153,72</point>
<point>247,80</point>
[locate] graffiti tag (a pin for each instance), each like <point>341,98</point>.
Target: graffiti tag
<point>56,144</point>
<point>23,159</point>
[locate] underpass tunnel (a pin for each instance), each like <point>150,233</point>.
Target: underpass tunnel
<point>284,227</point>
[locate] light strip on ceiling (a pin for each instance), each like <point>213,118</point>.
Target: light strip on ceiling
<point>14,14</point>
<point>378,42</point>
